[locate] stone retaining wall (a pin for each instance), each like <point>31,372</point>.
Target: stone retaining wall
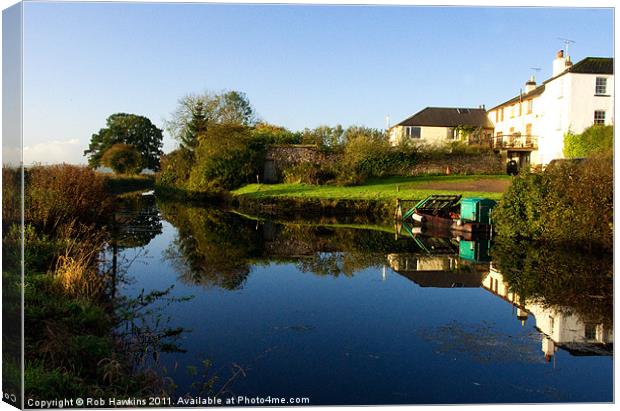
<point>280,157</point>
<point>460,164</point>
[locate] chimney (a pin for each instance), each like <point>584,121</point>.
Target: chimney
<point>561,63</point>
<point>530,85</point>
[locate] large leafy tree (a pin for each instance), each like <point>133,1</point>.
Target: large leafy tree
<point>130,129</point>
<point>195,112</point>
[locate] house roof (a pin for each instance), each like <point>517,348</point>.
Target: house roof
<point>448,117</point>
<point>593,65</point>
<point>589,65</point>
<point>536,92</point>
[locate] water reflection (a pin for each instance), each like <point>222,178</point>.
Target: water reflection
<point>278,289</point>
<point>570,295</point>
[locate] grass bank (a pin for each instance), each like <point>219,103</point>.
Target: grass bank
<point>376,198</point>
<point>385,189</point>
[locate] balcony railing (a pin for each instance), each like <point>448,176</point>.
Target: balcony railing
<point>515,141</point>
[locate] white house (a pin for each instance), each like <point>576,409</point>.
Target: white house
<point>440,125</point>
<point>530,127</point>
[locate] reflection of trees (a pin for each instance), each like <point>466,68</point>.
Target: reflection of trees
<point>559,277</point>
<point>213,248</point>
<point>217,248</point>
<point>136,221</point>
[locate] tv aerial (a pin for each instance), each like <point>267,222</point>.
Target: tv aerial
<point>567,42</point>
<point>535,71</point>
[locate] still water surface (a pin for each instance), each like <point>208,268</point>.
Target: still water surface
<point>356,315</point>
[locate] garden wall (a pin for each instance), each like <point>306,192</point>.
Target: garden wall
<point>486,163</point>
<point>279,157</point>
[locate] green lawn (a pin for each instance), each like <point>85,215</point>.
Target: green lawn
<point>406,188</point>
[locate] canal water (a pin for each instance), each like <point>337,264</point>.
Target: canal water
<point>356,314</point>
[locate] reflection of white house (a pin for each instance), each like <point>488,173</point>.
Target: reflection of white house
<point>530,127</point>
<point>440,125</point>
<point>561,328</point>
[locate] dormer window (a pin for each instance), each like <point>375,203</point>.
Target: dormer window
<point>601,86</point>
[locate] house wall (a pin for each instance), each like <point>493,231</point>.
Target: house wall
<point>584,101</point>
<point>428,135</point>
<point>568,103</point>
<point>518,123</point>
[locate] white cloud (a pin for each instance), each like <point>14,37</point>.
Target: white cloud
<point>53,152</point>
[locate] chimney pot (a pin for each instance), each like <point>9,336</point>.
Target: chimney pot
<point>560,54</point>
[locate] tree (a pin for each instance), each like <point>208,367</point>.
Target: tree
<point>324,136</point>
<point>130,129</point>
<point>195,112</point>
<point>196,127</point>
<point>123,159</point>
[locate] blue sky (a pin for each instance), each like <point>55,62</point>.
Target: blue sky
<point>301,66</point>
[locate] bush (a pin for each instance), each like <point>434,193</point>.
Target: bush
<point>123,159</point>
<point>227,157</point>
<point>175,168</point>
<point>63,194</point>
<point>593,140</point>
<point>271,134</point>
<point>309,173</point>
<point>368,154</point>
<point>11,196</point>
<point>567,203</point>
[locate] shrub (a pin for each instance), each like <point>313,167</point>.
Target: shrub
<point>593,140</point>
<point>364,157</point>
<point>175,168</point>
<point>123,159</point>
<point>368,153</point>
<point>62,194</point>
<point>271,134</point>
<point>11,195</point>
<point>226,157</point>
<point>309,173</point>
<point>567,203</point>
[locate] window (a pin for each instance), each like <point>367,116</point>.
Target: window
<point>590,332</point>
<point>599,117</point>
<point>520,109</point>
<point>496,116</point>
<point>451,134</point>
<point>501,114</point>
<point>530,106</point>
<point>601,86</point>
<point>512,111</point>
<point>551,324</point>
<point>412,132</point>
<point>528,129</point>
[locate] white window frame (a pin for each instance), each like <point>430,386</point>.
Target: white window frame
<point>600,89</point>
<point>409,132</point>
<point>599,119</point>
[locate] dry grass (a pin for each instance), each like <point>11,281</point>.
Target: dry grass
<point>76,269</point>
<point>58,194</point>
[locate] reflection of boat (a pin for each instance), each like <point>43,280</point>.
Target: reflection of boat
<point>449,212</point>
<point>469,246</point>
